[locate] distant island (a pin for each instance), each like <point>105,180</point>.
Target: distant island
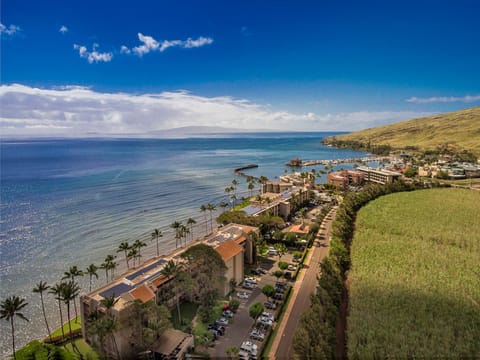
<point>457,131</point>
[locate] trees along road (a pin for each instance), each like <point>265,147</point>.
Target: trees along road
<point>282,347</point>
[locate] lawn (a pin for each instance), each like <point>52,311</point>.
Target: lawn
<point>415,278</point>
<point>75,323</point>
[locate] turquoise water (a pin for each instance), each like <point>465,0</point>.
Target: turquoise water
<point>71,202</point>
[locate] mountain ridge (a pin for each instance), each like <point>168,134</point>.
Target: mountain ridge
<point>459,130</point>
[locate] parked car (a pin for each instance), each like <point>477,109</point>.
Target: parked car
<point>227,313</point>
<point>248,285</point>
<point>243,295</point>
<point>257,335</point>
<point>264,320</point>
<point>222,321</point>
<point>250,279</point>
<point>215,333</point>
<point>291,267</point>
<point>296,260</point>
<point>282,285</point>
<point>268,315</point>
<point>278,296</point>
<point>272,252</point>
<point>218,328</point>
<point>270,305</point>
<point>250,347</point>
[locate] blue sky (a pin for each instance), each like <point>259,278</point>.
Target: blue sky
<point>308,65</point>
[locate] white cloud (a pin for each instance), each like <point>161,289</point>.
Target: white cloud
<point>444,99</point>
<point>124,50</point>
<point>149,44</point>
<point>63,29</point>
<point>80,111</point>
<point>94,55</point>
<point>201,41</point>
<point>11,30</point>
<point>245,31</point>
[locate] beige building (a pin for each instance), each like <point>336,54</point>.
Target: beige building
<point>234,243</point>
<point>379,176</point>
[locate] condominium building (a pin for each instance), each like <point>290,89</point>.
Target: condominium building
<point>145,283</point>
<point>379,176</point>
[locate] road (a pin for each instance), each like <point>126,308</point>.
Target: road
<point>282,347</point>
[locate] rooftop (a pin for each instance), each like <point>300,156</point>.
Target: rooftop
<point>228,249</point>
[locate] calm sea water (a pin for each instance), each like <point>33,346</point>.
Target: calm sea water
<point>71,202</point>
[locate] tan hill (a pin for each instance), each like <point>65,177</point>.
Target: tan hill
<point>459,129</point>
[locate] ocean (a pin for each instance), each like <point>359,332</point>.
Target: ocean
<point>72,201</point>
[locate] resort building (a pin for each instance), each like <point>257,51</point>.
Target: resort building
<point>379,176</point>
<point>281,201</point>
<point>343,179</point>
<point>145,283</point>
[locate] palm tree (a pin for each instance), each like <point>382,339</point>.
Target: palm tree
<point>184,231</point>
<point>155,235</point>
<point>176,226</point>
<point>125,247</point>
<point>57,293</point>
<point>251,186</point>
<point>91,270</point>
<point>171,270</point>
<point>132,254</point>
<point>233,198</point>
<point>111,323</point>
<point>234,187</point>
<point>39,289</point>
<point>71,274</point>
<point>104,266</point>
<point>211,207</point>
<point>190,223</point>
<point>223,205</point>
<point>70,290</point>
<point>10,308</point>
<point>203,209</point>
<point>139,244</point>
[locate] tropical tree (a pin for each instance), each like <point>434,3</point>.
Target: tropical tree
<point>268,290</point>
<point>155,235</point>
<point>184,231</point>
<point>190,223</point>
<point>138,244</point>
<point>255,310</point>
<point>211,207</point>
<point>203,209</point>
<point>70,290</point>
<point>56,291</point>
<point>281,250</point>
<point>125,247</point>
<point>40,288</point>
<point>171,270</point>
<point>91,270</point>
<point>223,205</point>
<point>176,225</point>
<point>132,254</point>
<point>71,274</point>
<point>251,186</point>
<point>9,308</point>
<point>234,187</point>
<point>110,324</point>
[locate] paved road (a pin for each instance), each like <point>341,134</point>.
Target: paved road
<point>305,286</point>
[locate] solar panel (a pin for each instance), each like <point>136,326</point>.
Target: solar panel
<point>117,290</point>
<point>145,269</point>
<point>252,209</point>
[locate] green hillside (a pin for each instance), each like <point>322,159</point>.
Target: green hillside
<point>459,129</point>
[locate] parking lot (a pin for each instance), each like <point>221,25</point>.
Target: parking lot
<point>241,325</point>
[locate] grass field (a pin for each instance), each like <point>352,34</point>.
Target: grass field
<point>415,276</point>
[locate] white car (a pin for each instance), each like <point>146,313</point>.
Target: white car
<point>257,335</point>
<point>292,267</point>
<point>222,321</point>
<point>250,280</point>
<point>265,321</point>
<point>249,347</point>
<point>268,315</point>
<point>243,295</point>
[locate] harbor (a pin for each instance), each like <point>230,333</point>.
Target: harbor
<point>330,162</point>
